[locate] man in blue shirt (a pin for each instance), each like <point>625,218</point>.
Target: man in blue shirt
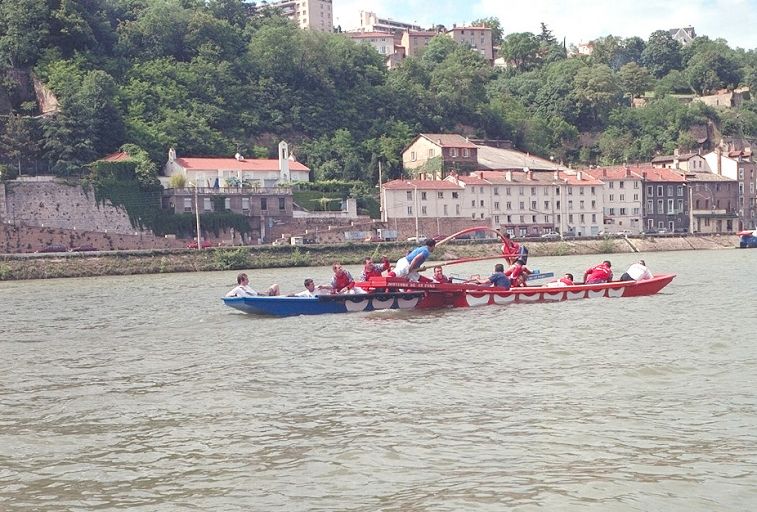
<point>408,266</point>
<point>498,279</point>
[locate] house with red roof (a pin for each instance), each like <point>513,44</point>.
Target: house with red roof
<point>623,199</point>
<point>665,198</point>
<point>436,155</point>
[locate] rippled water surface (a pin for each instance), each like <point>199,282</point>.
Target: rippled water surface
<point>145,393</point>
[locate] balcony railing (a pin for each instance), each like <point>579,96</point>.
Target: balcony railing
<point>226,191</point>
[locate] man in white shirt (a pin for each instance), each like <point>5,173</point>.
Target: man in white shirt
<point>637,272</point>
<point>309,290</point>
<point>243,289</point>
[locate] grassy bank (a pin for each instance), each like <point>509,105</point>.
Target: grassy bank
<point>42,266</point>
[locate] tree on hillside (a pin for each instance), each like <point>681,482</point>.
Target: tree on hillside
<point>634,79</point>
<point>18,141</point>
<point>521,49</point>
<point>24,27</point>
<point>597,92</point>
<point>661,54</point>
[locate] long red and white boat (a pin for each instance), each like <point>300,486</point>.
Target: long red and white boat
<point>383,293</point>
<point>399,293</point>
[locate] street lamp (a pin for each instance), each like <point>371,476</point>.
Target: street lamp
<point>415,206</point>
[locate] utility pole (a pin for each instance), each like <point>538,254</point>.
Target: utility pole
<point>381,196</point>
<point>415,207</point>
<point>197,218</point>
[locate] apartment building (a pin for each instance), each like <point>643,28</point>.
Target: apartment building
<point>314,15</point>
<point>370,22</point>
<point>713,201</point>
<point>739,166</point>
<point>622,195</point>
<point>523,203</point>
<point>666,203</point>
<point>690,162</point>
<point>479,38</point>
<point>415,41</point>
<point>383,42</point>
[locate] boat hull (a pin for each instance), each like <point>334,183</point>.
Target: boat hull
<point>395,293</point>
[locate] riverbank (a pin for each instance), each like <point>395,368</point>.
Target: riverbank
<point>46,266</point>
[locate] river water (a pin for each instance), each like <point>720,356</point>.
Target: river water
<point>145,393</point>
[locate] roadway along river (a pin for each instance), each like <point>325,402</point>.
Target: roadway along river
<point>145,393</point>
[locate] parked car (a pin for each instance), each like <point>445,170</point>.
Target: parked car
<point>193,244</point>
<point>419,238</point>
<point>54,248</point>
<point>551,236</point>
<point>84,248</point>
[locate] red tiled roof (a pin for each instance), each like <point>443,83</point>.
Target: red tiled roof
<point>449,140</point>
<point>119,156</point>
<point>421,184</point>
<point>669,158</point>
<point>618,172</point>
<point>571,178</point>
<point>232,164</point>
<point>361,35</point>
<point>471,180</point>
<point>662,174</point>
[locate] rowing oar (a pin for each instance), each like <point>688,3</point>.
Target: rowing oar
<point>531,277</point>
<point>460,260</point>
<point>470,230</point>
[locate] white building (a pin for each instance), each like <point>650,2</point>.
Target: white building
<point>623,195</point>
<point>315,15</point>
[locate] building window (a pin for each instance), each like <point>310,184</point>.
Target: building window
<point>206,204</point>
<point>593,192</point>
<point>650,190</point>
<point>454,195</point>
<point>570,204</point>
<point>423,210</point>
<point>679,191</point>
<point>635,184</point>
<point>623,211</point>
<point>263,203</point>
<point>481,189</point>
<point>570,218</point>
<point>245,204</point>
<point>522,219</point>
<point>593,204</point>
<point>409,210</point>
<point>509,219</point>
<point>282,204</point>
<point>660,191</point>
<point>466,152</point>
<point>582,218</point>
<point>581,205</point>
<point>670,190</point>
<point>621,184</point>
<point>680,206</point>
<point>522,205</point>
<point>457,209</point>
<point>581,191</point>
<point>473,204</point>
<point>612,211</point>
<point>593,218</point>
<point>670,207</point>
<point>440,195</point>
<point>612,197</point>
<point>423,196</point>
<point>546,205</point>
<point>570,191</point>
<point>496,205</point>
<point>445,210</point>
<point>453,152</point>
<point>431,153</point>
<point>636,197</point>
<point>413,156</point>
<point>409,195</point>
<point>227,203</point>
<point>482,204</point>
<point>660,206</point>
<point>508,205</point>
<point>496,191</point>
<point>496,219</point>
<point>610,184</point>
<point>622,197</point>
<point>533,205</point>
<point>187,204</point>
<point>508,192</point>
<point>482,215</point>
<point>650,207</point>
<point>741,173</point>
<point>520,191</point>
<point>533,191</point>
<point>533,219</point>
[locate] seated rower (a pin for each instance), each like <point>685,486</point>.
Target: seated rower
<point>518,273</point>
<point>498,279</point>
<point>439,276</point>
<point>637,272</point>
<point>371,269</point>
<point>243,288</point>
<point>342,282</point>
<point>601,273</point>
<point>309,290</point>
<point>566,280</point>
<point>512,250</point>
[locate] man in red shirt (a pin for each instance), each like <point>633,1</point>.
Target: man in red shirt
<point>602,273</point>
<point>518,273</point>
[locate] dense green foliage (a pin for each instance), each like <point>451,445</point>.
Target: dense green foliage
<point>206,78</point>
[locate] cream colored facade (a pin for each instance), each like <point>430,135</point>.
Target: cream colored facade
<point>622,195</point>
<point>314,15</point>
<point>382,42</point>
<point>522,203</point>
<point>478,38</point>
<point>415,41</point>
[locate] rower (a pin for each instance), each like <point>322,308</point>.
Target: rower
<point>408,266</point>
<point>518,273</point>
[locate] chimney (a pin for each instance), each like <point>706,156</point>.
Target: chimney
<point>628,172</point>
<point>284,176</point>
<point>509,175</point>
<point>557,175</point>
<point>481,174</point>
<point>604,172</point>
<point>644,175</point>
<point>530,175</point>
<point>579,176</point>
